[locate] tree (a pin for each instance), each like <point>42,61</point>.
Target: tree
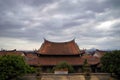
<point>12,66</point>
<point>86,68</point>
<point>111,62</point>
<point>64,66</point>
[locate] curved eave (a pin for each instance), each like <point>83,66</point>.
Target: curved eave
<point>57,54</point>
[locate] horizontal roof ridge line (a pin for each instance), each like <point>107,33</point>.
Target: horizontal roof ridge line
<point>45,40</point>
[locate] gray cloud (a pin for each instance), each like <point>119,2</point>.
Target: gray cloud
<point>94,23</point>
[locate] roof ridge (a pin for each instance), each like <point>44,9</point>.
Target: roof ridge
<point>45,40</point>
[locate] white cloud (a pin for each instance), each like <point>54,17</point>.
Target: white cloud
<point>105,25</point>
<point>19,44</point>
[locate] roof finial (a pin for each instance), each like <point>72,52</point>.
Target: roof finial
<point>44,38</point>
<point>74,38</point>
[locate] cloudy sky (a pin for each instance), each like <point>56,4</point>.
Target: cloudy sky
<point>93,23</point>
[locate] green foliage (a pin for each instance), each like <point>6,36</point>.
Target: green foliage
<point>86,67</point>
<point>85,63</point>
<point>12,66</point>
<point>111,62</point>
<point>64,66</point>
<point>49,70</point>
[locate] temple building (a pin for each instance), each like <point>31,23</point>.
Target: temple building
<point>52,53</point>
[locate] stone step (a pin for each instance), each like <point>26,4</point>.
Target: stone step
<point>94,78</point>
<point>63,78</point>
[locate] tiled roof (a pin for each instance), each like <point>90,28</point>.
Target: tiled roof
<point>32,59</point>
<point>91,59</point>
<point>59,48</point>
<point>99,53</point>
<point>47,61</point>
<point>56,60</point>
<point>11,53</point>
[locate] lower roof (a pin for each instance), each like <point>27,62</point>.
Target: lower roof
<point>51,61</point>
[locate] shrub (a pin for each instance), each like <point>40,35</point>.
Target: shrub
<point>64,66</point>
<point>12,66</point>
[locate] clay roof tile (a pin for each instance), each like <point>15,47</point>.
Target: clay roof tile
<point>59,48</point>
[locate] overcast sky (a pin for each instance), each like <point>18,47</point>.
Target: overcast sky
<point>93,23</point>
